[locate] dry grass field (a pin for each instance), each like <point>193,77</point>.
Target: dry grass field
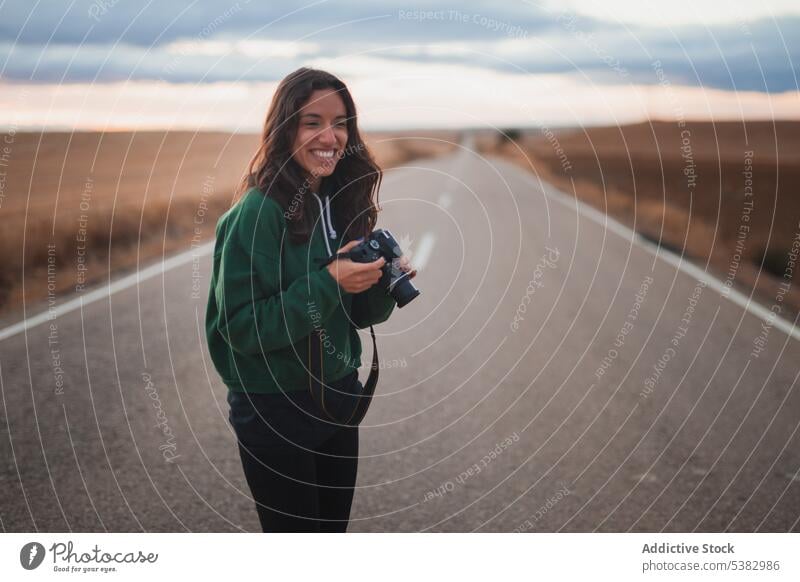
<point>726,194</point>
<point>82,205</point>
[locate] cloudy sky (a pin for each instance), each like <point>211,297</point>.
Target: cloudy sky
<point>214,63</point>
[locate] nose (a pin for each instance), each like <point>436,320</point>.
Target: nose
<point>327,136</point>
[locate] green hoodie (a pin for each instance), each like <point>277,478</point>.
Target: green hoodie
<point>267,295</point>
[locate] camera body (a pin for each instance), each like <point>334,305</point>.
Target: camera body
<point>396,282</point>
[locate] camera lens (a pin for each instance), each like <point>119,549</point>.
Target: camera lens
<point>403,290</point>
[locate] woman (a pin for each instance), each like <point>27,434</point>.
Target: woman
<point>310,187</point>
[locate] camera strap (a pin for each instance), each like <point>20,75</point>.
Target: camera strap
<point>317,386</point>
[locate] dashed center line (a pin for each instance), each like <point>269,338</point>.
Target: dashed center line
<point>423,251</point>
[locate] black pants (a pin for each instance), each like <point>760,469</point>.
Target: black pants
<point>299,490</point>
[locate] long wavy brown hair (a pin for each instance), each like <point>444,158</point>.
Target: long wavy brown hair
<point>354,183</point>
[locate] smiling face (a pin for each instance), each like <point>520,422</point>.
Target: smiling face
<point>321,134</point>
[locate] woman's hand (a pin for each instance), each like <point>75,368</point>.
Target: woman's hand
<point>405,265</point>
<point>355,277</point>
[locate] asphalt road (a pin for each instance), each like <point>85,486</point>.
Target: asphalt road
<point>554,375</point>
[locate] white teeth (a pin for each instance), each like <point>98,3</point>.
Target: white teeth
<point>325,155</point>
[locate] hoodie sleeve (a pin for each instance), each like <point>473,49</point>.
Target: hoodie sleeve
<point>371,307</point>
<point>255,314</point>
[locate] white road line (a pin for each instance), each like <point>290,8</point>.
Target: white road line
<point>423,252</point>
<point>108,290</point>
<point>733,295</point>
<point>682,264</point>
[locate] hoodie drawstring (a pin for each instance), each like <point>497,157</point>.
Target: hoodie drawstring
<point>330,223</point>
<point>325,217</point>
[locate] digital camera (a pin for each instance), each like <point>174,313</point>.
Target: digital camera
<point>396,282</point>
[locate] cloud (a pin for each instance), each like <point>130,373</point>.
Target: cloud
<point>760,56</point>
<point>193,41</point>
<point>161,22</point>
<point>678,12</point>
